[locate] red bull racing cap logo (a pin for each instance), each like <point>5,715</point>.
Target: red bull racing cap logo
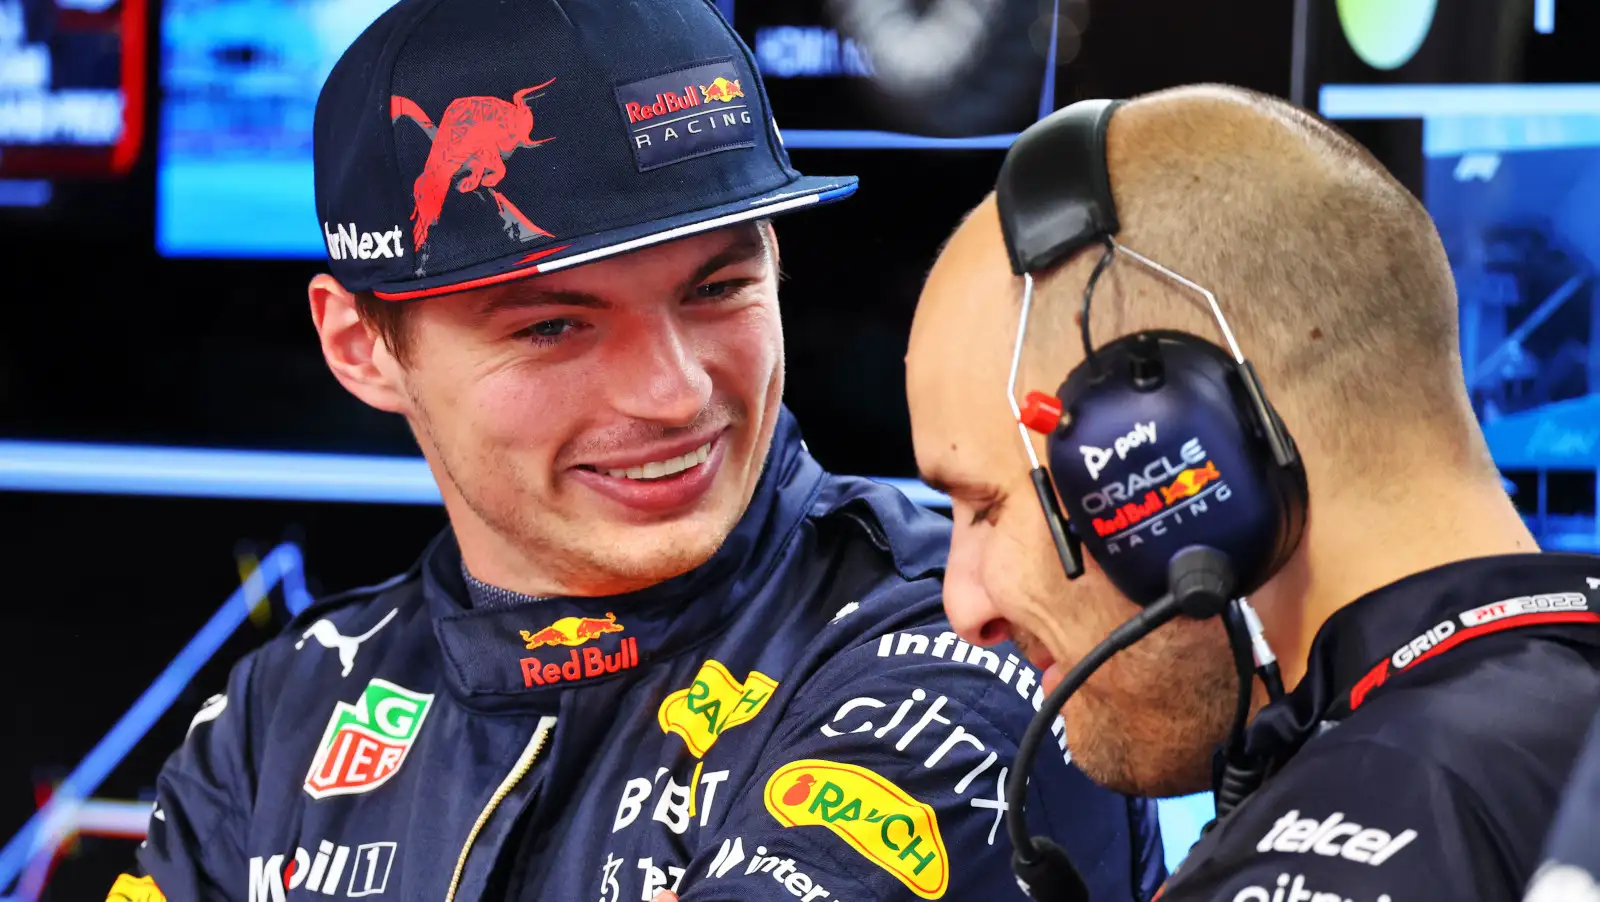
<point>580,663</point>
<point>689,113</point>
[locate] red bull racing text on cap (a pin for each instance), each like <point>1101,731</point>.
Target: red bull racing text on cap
<point>688,113</point>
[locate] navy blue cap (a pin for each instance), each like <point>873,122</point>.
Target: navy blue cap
<point>462,143</point>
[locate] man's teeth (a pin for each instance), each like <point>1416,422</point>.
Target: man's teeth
<point>659,468</point>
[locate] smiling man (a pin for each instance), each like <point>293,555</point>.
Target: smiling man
<point>1440,669</point>
<point>659,648</point>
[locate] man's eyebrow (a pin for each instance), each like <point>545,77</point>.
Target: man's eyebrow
<point>523,297</point>
<point>747,244</point>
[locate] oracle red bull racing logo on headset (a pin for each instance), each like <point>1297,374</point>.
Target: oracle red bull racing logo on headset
<point>1162,493</point>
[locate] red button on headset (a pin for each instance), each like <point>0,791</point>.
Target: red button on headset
<point>1041,412</point>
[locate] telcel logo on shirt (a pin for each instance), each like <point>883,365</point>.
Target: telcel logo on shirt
<point>712,704</point>
<point>366,742</point>
<point>1333,837</point>
<point>884,823</point>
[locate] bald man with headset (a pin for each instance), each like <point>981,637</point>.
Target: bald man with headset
<point>1230,341</point>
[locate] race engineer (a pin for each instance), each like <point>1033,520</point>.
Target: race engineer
<point>1434,672</point>
<point>659,647</point>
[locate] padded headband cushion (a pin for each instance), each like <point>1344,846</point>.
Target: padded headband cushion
<point>1054,192</point>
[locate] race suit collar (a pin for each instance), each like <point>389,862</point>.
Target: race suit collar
<point>1372,641</point>
<point>522,657</point>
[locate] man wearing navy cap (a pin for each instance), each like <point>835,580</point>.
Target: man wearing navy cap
<point>659,649</point>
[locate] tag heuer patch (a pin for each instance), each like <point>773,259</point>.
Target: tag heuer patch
<point>366,742</point>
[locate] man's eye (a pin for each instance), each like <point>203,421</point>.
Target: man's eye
<point>717,291</point>
<point>547,332</point>
<point>983,513</point>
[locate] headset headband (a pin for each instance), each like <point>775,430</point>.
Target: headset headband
<point>1054,188</point>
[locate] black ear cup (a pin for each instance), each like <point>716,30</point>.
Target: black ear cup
<point>1161,448</point>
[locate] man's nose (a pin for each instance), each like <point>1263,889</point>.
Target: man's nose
<point>972,613</point>
<point>659,376</point>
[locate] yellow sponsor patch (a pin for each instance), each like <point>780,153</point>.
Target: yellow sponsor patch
<point>712,704</point>
<point>892,829</point>
<point>135,889</point>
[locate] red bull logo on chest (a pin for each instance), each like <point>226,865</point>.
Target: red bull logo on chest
<point>579,664</point>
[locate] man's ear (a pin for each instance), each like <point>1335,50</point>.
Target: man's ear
<point>355,353</point>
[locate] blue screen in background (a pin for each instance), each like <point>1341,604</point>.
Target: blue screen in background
<point>1517,201</point>
<point>1181,820</point>
<point>240,79</point>
<point>1511,177</point>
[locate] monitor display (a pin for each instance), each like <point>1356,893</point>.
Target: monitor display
<point>239,80</point>
<point>1490,114</point>
<point>72,95</point>
<point>1510,174</point>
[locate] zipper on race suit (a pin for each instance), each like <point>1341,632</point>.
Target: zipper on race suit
<point>541,733</point>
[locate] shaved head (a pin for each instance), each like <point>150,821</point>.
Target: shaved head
<point>1329,271</point>
<point>1336,287</point>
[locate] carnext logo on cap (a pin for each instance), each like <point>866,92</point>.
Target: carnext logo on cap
<point>346,243</point>
<point>688,113</point>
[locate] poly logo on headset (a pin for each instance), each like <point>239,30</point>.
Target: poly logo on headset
<point>1095,459</point>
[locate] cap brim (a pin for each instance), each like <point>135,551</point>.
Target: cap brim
<point>803,192</point>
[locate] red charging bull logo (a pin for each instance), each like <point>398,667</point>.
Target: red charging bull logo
<point>578,665</point>
<point>474,138</point>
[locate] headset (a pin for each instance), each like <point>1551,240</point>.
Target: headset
<point>1175,473</point>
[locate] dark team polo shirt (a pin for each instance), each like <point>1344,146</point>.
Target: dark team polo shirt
<point>1571,869</point>
<point>1424,754</point>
